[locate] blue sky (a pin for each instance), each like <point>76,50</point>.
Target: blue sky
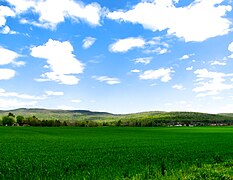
<point>117,56</point>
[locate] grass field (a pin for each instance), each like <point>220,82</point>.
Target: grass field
<point>116,153</point>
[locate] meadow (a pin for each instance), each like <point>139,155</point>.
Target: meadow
<point>116,153</point>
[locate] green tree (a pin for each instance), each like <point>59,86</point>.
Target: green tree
<point>8,120</point>
<point>11,114</point>
<point>119,123</point>
<point>19,120</point>
<point>57,123</point>
<point>65,123</point>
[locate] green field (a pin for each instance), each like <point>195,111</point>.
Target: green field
<point>116,153</point>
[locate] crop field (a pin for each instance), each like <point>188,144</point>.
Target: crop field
<point>116,153</point>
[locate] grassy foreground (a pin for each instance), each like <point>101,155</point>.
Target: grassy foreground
<point>116,153</point>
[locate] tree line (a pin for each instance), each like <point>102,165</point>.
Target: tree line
<point>147,121</point>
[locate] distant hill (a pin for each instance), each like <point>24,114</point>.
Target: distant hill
<point>53,114</point>
<point>151,116</point>
<point>227,114</point>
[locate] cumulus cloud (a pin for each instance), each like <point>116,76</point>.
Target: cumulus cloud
<point>190,68</point>
<point>124,45</point>
<point>211,83</point>
<point>143,60</point>
<point>6,74</point>
<point>178,87</point>
<point>163,74</point>
<point>88,42</point>
<point>7,56</point>
<point>60,60</point>
<point>52,12</point>
<point>154,45</point>
<point>198,21</point>
<point>4,13</point>
<point>186,56</point>
<point>106,79</point>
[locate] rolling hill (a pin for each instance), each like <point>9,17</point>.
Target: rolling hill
<point>152,117</point>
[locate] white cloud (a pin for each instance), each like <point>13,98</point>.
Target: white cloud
<point>186,56</point>
<point>230,48</point>
<point>59,78</point>
<point>155,45</point>
<point>7,56</point>
<point>178,87</point>
<point>211,83</point>
<point>6,74</point>
<point>143,60</point>
<point>189,68</point>
<point>163,74</point>
<point>198,21</point>
<point>18,63</point>
<point>158,50</point>
<point>135,71</point>
<point>54,93</point>
<point>2,90</point>
<point>218,63</point>
<point>52,12</point>
<point>5,12</point>
<point>7,30</point>
<point>61,61</point>
<point>13,103</point>
<point>88,42</point>
<point>4,93</point>
<point>21,6</point>
<point>231,56</point>
<point>124,45</point>
<point>76,101</point>
<point>106,79</point>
